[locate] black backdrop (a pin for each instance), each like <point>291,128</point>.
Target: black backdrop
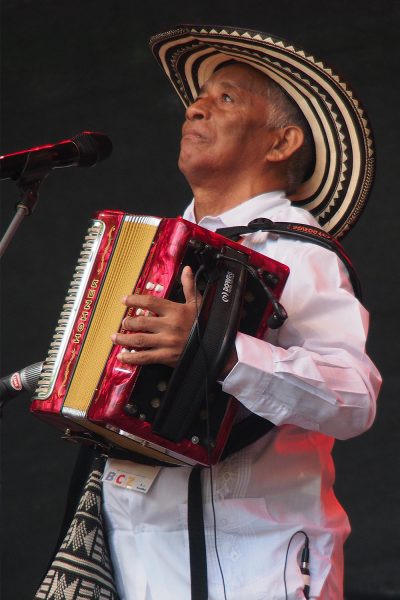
<point>84,64</point>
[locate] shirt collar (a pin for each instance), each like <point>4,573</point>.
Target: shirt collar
<point>264,205</point>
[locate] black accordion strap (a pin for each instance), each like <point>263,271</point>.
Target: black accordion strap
<point>315,235</point>
<point>203,358</point>
<point>246,432</point>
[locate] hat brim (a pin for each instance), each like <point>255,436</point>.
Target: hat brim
<point>337,190</point>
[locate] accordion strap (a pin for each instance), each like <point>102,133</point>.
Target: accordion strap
<point>204,355</point>
<point>299,231</point>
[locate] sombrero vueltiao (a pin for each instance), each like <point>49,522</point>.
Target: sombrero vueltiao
<point>338,189</point>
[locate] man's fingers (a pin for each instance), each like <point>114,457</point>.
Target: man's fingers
<point>189,288</point>
<point>156,328</point>
<point>137,340</point>
<point>147,357</point>
<point>147,302</point>
<point>145,323</point>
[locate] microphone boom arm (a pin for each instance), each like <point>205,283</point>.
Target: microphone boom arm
<point>84,150</point>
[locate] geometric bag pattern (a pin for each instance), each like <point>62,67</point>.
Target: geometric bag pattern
<point>81,568</point>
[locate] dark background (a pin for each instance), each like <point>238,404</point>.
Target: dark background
<point>85,65</point>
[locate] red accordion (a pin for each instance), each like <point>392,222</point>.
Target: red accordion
<point>178,416</point>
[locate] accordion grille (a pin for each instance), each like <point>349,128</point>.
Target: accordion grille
<point>132,247</point>
<point>69,311</point>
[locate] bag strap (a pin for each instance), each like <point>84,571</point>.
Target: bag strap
<point>197,539</point>
<point>299,231</point>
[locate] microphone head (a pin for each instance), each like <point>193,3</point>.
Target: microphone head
<point>93,147</point>
<point>30,376</point>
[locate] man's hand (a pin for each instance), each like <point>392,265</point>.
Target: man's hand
<point>160,337</point>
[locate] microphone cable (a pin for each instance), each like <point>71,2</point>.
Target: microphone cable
<point>304,564</point>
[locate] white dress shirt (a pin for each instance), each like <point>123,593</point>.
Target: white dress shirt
<point>314,381</point>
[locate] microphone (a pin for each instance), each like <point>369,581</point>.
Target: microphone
<point>83,150</point>
<point>24,380</point>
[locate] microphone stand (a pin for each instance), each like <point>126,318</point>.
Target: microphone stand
<point>28,182</point>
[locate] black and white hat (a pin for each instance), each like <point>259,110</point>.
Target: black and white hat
<point>337,190</point>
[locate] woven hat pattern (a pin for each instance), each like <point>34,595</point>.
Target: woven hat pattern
<point>337,191</point>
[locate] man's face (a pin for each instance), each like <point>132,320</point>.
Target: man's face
<point>226,127</point>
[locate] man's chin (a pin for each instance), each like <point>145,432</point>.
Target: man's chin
<point>194,164</point>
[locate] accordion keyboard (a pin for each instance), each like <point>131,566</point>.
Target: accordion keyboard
<point>70,308</point>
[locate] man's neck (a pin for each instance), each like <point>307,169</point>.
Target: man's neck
<point>215,200</point>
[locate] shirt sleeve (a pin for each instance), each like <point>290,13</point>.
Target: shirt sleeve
<point>313,372</point>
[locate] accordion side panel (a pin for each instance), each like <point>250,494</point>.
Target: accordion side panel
<point>135,239</point>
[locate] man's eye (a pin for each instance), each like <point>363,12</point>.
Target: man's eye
<point>227,98</point>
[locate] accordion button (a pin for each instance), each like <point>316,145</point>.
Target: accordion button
<point>162,386</point>
<point>150,285</point>
<point>159,287</point>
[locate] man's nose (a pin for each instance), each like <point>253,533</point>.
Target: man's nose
<point>199,109</point>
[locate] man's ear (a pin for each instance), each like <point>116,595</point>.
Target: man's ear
<point>286,141</point>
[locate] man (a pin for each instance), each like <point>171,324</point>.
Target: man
<point>262,120</point>
<point>240,142</point>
